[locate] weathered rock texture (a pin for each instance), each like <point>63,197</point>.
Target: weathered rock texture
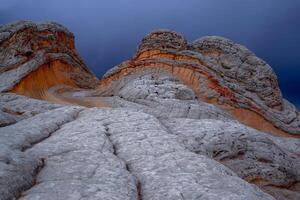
<point>42,55</point>
<point>220,72</point>
<point>166,132</point>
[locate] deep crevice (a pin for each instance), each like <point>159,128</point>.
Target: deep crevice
<point>42,161</point>
<point>138,183</point>
<point>139,190</point>
<point>35,173</point>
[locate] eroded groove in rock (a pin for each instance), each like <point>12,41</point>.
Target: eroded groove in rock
<point>163,167</point>
<point>80,164</point>
<point>15,108</point>
<point>20,170</point>
<point>138,183</point>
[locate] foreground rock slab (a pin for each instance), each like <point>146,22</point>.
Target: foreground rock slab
<point>109,154</point>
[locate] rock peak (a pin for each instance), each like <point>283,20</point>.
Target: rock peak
<point>9,29</point>
<point>163,39</point>
<point>28,49</point>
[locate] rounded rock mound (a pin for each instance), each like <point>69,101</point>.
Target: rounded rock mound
<point>37,56</point>
<point>163,39</point>
<point>220,72</point>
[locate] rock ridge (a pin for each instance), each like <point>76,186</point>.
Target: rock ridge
<point>220,72</point>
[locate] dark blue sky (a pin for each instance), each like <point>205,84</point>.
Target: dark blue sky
<point>108,31</point>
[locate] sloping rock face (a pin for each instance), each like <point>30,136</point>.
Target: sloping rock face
<point>219,72</point>
<point>171,128</point>
<point>42,55</point>
<point>75,152</point>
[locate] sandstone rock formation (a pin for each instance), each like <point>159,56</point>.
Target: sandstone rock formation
<point>169,124</point>
<point>220,72</point>
<point>41,55</point>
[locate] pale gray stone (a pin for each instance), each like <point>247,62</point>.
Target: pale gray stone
<point>157,141</point>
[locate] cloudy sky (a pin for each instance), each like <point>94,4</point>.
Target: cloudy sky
<point>108,31</point>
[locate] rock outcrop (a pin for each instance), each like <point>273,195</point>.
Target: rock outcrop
<point>174,124</point>
<point>220,72</point>
<point>42,56</point>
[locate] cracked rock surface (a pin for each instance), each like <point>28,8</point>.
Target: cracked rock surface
<point>109,154</point>
<point>123,153</point>
<point>175,125</point>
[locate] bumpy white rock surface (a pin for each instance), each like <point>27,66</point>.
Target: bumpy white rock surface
<point>14,108</point>
<point>161,95</point>
<point>260,158</point>
<point>156,140</point>
<point>74,152</point>
<point>125,153</point>
<point>219,70</point>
